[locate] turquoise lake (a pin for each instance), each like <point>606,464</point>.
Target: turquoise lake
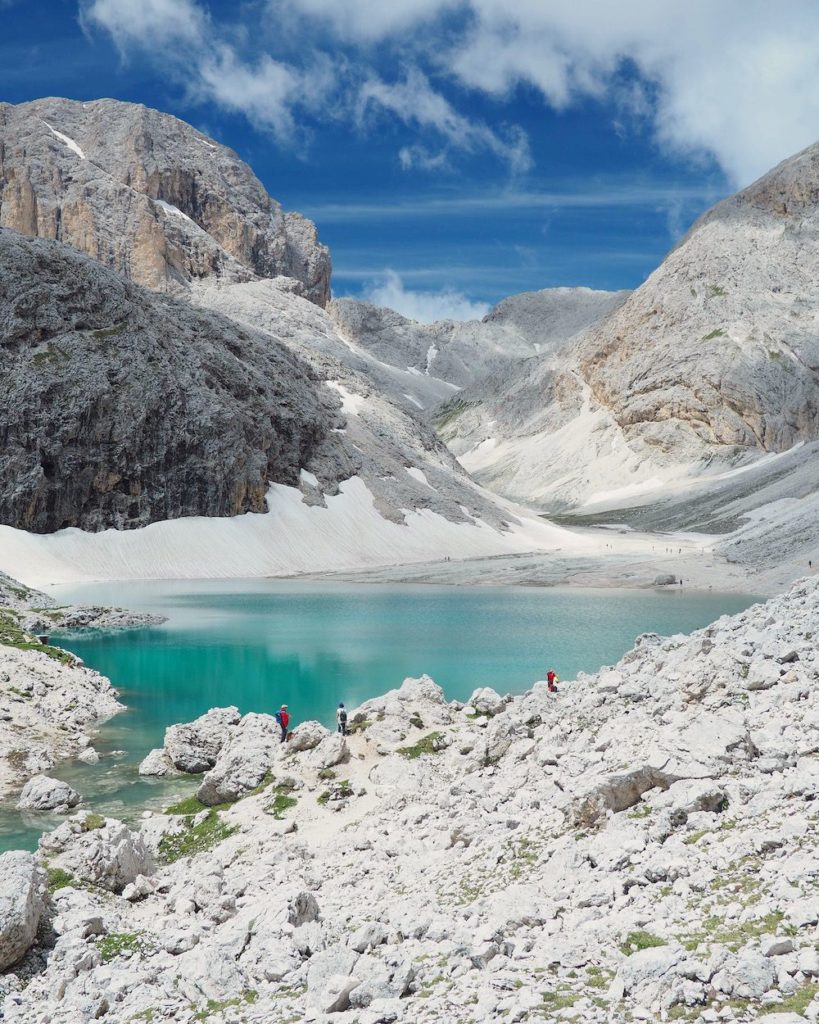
<point>257,644</point>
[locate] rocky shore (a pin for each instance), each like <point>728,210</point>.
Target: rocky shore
<point>49,701</point>
<point>640,846</point>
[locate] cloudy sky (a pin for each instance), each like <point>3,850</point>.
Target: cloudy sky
<point>456,151</point>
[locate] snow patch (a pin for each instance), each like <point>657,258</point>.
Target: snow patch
<point>432,352</point>
<point>351,404</point>
<point>174,211</point>
<point>289,538</point>
<point>413,400</point>
<point>308,478</point>
<point>420,476</point>
<point>66,140</point>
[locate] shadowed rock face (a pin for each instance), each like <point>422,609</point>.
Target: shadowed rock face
<point>148,196</point>
<point>123,407</point>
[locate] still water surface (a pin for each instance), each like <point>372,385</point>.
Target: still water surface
<point>257,644</point>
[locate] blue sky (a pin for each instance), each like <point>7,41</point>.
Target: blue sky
<point>452,152</point>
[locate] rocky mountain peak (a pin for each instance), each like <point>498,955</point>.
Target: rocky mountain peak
<point>149,196</point>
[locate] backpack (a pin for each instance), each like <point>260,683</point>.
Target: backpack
<point>278,717</point>
<point>342,716</point>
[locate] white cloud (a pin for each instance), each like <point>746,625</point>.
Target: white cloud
<point>735,81</point>
<point>414,101</point>
<point>179,34</point>
<point>147,22</point>
<point>426,306</point>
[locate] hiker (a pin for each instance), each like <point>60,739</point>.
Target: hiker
<point>552,679</point>
<point>341,719</point>
<point>283,719</point>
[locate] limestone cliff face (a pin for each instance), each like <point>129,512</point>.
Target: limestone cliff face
<point>149,196</point>
<point>711,363</point>
<point>122,407</point>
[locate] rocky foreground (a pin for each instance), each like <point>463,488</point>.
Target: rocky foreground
<point>50,703</point>
<point>640,846</point>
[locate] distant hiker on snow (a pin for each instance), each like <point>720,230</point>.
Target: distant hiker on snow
<point>552,679</point>
<point>341,719</point>
<point>283,719</point>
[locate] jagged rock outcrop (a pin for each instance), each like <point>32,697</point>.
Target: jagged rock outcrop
<point>124,407</point>
<point>712,362</point>
<point>149,196</point>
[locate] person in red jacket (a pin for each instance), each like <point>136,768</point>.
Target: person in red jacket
<point>283,718</point>
<point>552,679</point>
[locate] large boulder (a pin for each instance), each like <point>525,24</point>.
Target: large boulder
<point>158,764</point>
<point>487,701</point>
<point>331,751</point>
<point>46,794</point>
<point>194,746</point>
<point>306,736</point>
<point>330,979</point>
<point>22,901</point>
<point>98,850</point>
<point>244,761</point>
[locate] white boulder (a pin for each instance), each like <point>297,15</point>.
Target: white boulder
<point>98,850</point>
<point>46,794</point>
<point>22,901</point>
<point>194,746</point>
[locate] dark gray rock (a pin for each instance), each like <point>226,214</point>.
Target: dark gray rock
<point>124,407</point>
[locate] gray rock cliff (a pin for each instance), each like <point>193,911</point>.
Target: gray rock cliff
<point>149,196</point>
<point>124,407</point>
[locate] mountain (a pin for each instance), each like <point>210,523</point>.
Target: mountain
<point>462,352</point>
<point>123,406</point>
<point>148,196</point>
<point>710,364</point>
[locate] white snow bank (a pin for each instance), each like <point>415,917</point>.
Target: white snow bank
<point>174,211</point>
<point>290,538</point>
<point>351,404</point>
<point>308,477</point>
<point>414,401</point>
<point>419,475</point>
<point>72,145</point>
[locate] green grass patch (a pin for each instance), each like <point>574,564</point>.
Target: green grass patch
<point>282,801</point>
<point>247,998</point>
<point>91,822</point>
<point>799,1001</point>
<point>715,929</point>
<point>640,812</point>
<point>452,410</point>
<point>695,837</point>
<point>340,791</point>
<point>12,636</point>
<point>53,355</point>
<point>635,941</point>
<point>190,805</point>
<point>58,878</point>
<point>117,943</point>
<point>109,332</point>
<point>426,745</point>
<point>714,291</point>
<point>718,333</point>
<point>194,839</point>
<point>327,774</point>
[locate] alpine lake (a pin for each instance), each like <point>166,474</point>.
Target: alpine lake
<point>260,643</point>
